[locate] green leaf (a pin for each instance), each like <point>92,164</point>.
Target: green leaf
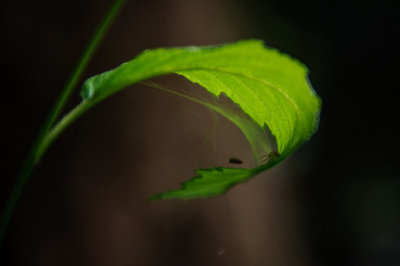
<point>213,182</point>
<point>279,110</point>
<point>209,182</point>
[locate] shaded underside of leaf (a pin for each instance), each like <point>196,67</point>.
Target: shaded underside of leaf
<point>215,181</point>
<point>209,182</point>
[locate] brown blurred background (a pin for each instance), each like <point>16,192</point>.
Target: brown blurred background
<point>335,202</point>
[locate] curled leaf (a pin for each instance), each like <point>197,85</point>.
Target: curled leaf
<point>279,109</point>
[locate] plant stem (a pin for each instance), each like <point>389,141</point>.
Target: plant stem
<point>64,122</point>
<point>47,134</point>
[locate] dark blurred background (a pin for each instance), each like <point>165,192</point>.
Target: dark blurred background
<point>335,202</point>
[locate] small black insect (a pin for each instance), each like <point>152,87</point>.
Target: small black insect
<point>265,158</point>
<point>235,160</point>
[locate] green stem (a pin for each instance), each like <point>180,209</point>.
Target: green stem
<point>47,134</point>
<point>58,128</point>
